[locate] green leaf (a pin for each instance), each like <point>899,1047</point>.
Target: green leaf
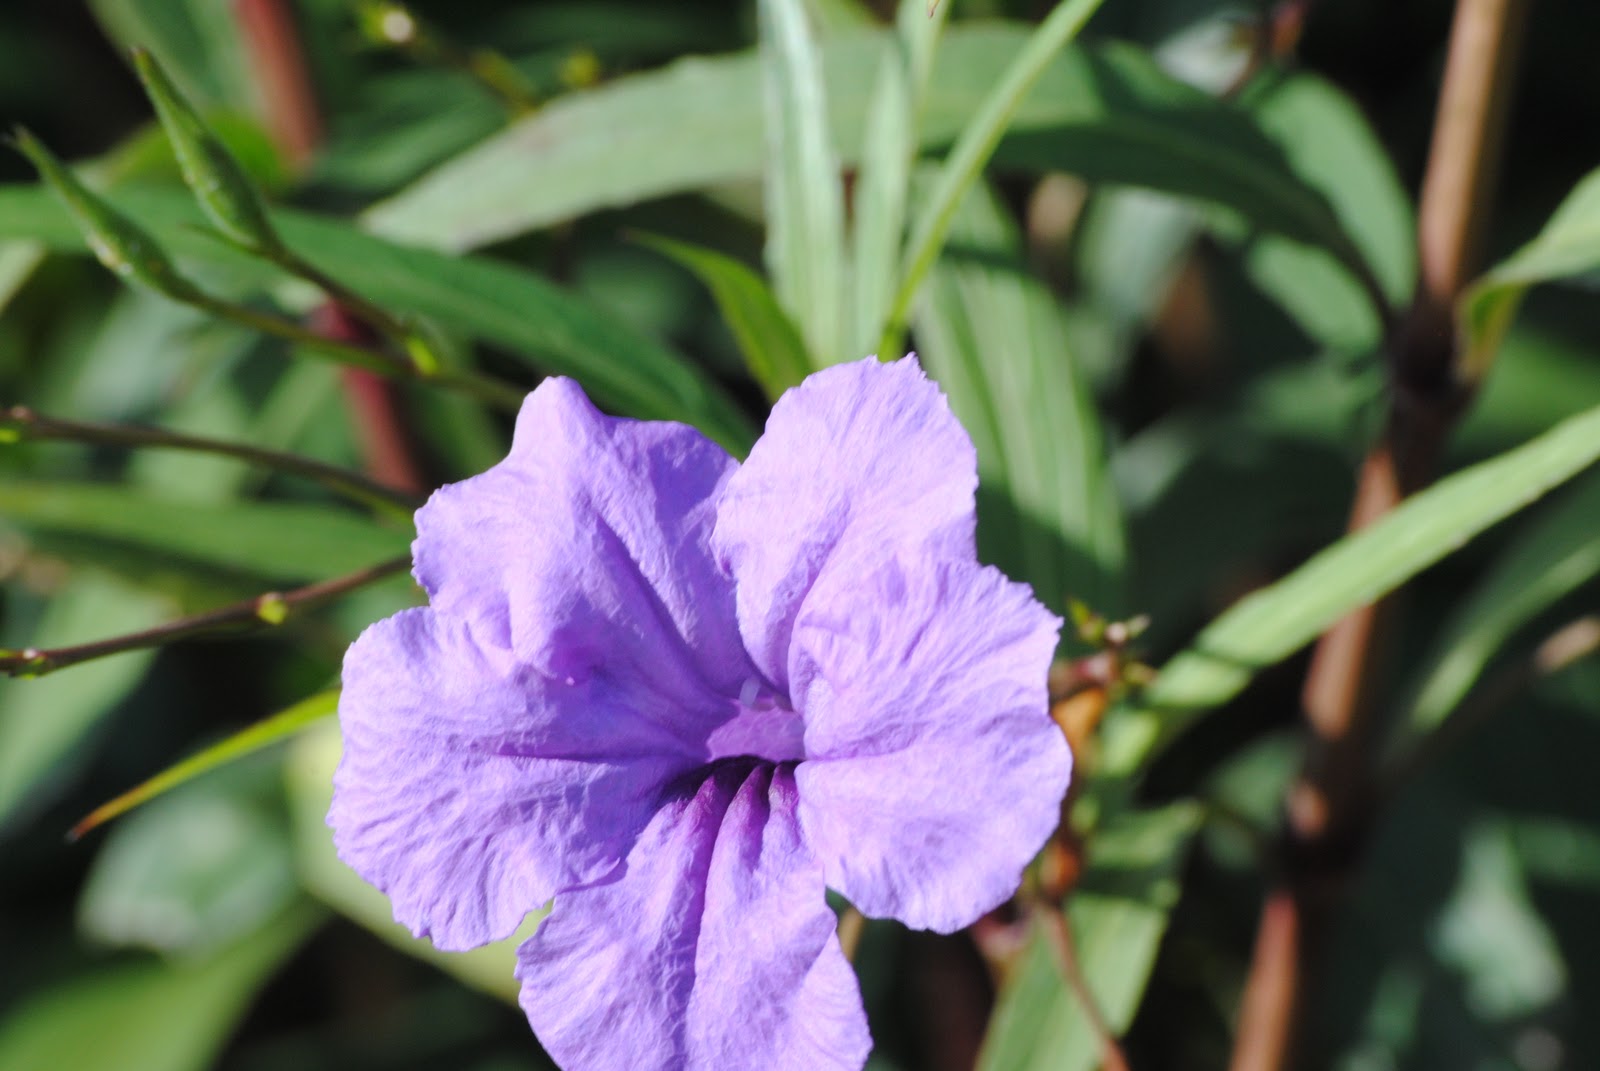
<point>1331,146</point>
<point>1554,557</point>
<point>887,153</point>
<point>1491,933</point>
<point>771,344</point>
<point>264,539</point>
<point>992,334</point>
<point>805,206</point>
<point>196,40</point>
<point>1105,113</point>
<point>264,733</point>
<point>1117,914</point>
<point>193,872</point>
<point>1272,623</point>
<point>489,300</point>
<point>312,760</point>
<point>839,16</point>
<point>43,722</point>
<point>149,1015</point>
<point>1568,245</point>
<point>971,152</point>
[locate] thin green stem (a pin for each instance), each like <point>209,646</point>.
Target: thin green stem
<point>264,611</point>
<point>486,388</point>
<point>286,329</point>
<point>385,324</point>
<point>971,154</point>
<point>20,423</point>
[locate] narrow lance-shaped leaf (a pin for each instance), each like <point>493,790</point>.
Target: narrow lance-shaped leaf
<point>1269,625</point>
<point>770,342</point>
<point>995,338</point>
<point>1105,112</point>
<point>1568,245</point>
<point>264,539</point>
<point>485,299</point>
<point>1554,557</point>
<point>280,726</point>
<point>887,153</point>
<point>805,210</point>
<point>972,150</point>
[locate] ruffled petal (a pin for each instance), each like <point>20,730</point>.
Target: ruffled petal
<point>934,772</point>
<point>714,950</point>
<point>471,790</point>
<point>586,552</point>
<point>858,457</point>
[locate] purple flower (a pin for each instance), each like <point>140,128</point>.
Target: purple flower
<point>683,696</point>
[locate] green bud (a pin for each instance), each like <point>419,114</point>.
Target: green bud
<point>581,69</point>
<point>225,193</point>
<point>424,357</point>
<point>119,243</point>
<point>387,23</point>
<point>272,608</point>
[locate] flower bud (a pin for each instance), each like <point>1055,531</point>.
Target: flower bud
<point>119,243</point>
<point>225,193</point>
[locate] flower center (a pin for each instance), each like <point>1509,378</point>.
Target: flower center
<point>763,726</point>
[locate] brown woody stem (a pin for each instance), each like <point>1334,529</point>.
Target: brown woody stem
<point>264,611</point>
<point>23,424</point>
<point>1327,805</point>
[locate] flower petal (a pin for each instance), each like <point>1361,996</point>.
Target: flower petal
<point>858,457</point>
<point>471,790</point>
<point>934,772</point>
<point>586,551</point>
<point>715,949</point>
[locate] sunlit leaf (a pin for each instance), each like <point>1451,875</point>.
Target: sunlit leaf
<point>1106,113</point>
<point>974,146</point>
<point>1568,245</point>
<point>266,539</point>
<point>1272,623</point>
<point>771,344</point>
<point>1330,144</point>
<point>1557,555</point>
<point>279,727</point>
<point>805,205</point>
<point>992,334</point>
<point>883,181</point>
<point>492,301</point>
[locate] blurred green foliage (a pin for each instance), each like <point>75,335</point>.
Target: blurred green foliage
<point>1161,311</point>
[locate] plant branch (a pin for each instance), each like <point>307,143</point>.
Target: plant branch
<point>493,391</point>
<point>22,424</point>
<point>1327,804</point>
<point>264,611</point>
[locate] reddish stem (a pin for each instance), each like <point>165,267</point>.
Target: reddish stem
<point>1329,805</point>
<point>268,31</point>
